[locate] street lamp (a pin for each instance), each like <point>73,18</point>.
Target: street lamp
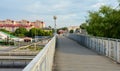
<point>55,31</point>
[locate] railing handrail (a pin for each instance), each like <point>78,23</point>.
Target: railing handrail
<point>38,59</point>
<point>97,37</point>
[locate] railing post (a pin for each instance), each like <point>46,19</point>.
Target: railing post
<point>101,45</point>
<point>118,51</point>
<point>90,43</point>
<point>103,48</point>
<point>96,44</point>
<point>87,41</point>
<point>109,48</point>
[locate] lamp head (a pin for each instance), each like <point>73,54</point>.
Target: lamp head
<point>54,17</point>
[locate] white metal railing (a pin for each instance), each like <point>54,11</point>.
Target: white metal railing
<point>44,60</point>
<point>105,46</point>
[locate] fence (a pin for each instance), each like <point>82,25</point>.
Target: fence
<point>105,46</point>
<point>44,60</point>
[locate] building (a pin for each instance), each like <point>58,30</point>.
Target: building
<point>12,25</point>
<point>77,29</point>
<point>38,24</point>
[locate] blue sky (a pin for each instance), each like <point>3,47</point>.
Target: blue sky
<point>68,12</point>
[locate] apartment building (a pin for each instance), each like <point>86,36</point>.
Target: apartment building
<point>12,25</point>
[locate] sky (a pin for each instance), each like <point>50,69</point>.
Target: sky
<point>68,12</point>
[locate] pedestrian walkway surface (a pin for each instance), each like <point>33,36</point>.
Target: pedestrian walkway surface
<point>70,56</point>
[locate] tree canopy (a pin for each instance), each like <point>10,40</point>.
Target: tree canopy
<point>21,32</point>
<point>104,23</point>
<point>3,30</point>
<point>39,32</point>
<point>71,31</point>
<point>83,25</point>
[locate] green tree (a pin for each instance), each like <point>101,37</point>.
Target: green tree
<point>33,32</point>
<point>83,26</point>
<point>64,28</point>
<point>3,30</point>
<point>38,32</point>
<point>71,31</point>
<point>105,22</point>
<point>21,32</point>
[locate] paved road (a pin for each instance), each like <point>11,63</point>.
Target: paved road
<point>70,56</point>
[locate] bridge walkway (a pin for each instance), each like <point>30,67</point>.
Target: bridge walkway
<point>70,56</point>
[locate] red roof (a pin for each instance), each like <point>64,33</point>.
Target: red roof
<point>15,25</point>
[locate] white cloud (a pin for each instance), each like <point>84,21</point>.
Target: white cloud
<point>34,7</point>
<point>62,5</point>
<point>39,7</point>
<point>97,5</point>
<point>67,16</point>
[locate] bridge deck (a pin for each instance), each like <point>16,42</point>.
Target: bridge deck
<point>70,56</point>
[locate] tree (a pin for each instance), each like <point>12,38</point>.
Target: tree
<point>33,32</point>
<point>71,31</point>
<point>77,30</point>
<point>104,23</point>
<point>3,30</point>
<point>21,32</point>
<point>64,28</point>
<point>38,32</point>
<point>83,26</point>
<point>50,27</point>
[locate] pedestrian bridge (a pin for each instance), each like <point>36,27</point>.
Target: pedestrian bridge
<point>79,53</point>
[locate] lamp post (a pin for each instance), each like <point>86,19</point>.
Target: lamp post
<point>55,31</point>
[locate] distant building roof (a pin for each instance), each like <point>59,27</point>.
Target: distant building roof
<point>14,25</point>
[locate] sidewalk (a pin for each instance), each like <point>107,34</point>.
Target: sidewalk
<point>70,56</point>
